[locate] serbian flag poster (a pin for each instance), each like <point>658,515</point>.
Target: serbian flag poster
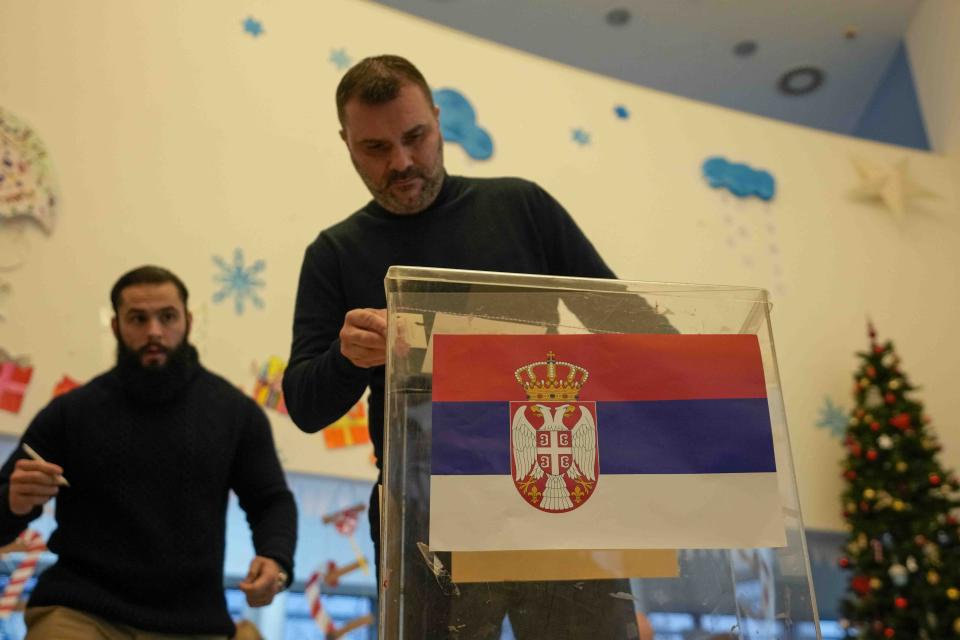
<point>601,441</point>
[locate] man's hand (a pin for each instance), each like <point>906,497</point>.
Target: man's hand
<point>363,338</point>
<point>32,484</point>
<point>264,580</point>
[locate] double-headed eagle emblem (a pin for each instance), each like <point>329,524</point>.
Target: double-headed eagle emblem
<point>553,440</point>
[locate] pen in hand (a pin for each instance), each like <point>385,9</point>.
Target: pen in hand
<point>36,456</point>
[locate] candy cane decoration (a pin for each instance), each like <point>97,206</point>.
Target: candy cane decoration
<point>33,542</point>
<point>345,522</point>
<point>312,592</point>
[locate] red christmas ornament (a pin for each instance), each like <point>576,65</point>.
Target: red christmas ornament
<point>878,349</point>
<point>889,632</point>
<point>871,372</point>
<point>901,421</point>
<point>850,474</point>
<point>855,449</point>
<point>864,506</point>
<point>889,398</point>
<point>900,602</point>
<point>934,480</point>
<point>844,563</point>
<point>874,426</point>
<point>872,455</point>
<point>951,521</point>
<point>860,584</point>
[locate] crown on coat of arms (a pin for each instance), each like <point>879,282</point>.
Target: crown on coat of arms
<point>548,385</point>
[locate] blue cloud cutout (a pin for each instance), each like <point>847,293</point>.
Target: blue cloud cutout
<point>458,123</point>
<point>740,179</point>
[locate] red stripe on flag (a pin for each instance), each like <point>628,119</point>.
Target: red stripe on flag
<point>477,368</point>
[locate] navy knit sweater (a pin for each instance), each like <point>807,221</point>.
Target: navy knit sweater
<point>141,529</point>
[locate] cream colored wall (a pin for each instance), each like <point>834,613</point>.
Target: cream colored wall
<point>933,43</point>
<point>176,136</point>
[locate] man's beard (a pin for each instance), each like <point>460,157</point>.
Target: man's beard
<point>156,383</point>
<point>428,191</point>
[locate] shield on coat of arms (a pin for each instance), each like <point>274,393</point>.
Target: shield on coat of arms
<point>554,458</point>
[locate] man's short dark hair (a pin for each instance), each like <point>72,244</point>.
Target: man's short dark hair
<point>378,80</point>
<point>147,274</point>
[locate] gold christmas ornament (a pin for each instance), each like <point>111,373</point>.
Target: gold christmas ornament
<point>933,577</point>
<point>901,466</point>
<point>869,494</point>
<point>876,583</point>
<point>953,593</point>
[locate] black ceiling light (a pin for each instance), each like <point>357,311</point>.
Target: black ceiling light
<point>745,48</point>
<point>618,17</point>
<point>800,81</point>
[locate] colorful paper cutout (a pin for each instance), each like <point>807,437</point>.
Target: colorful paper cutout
<point>66,385</point>
<point>458,124</point>
<point>32,543</point>
<point>15,374</point>
<point>349,431</point>
<point>739,179</point>
<point>268,388</point>
<point>239,281</point>
<point>27,187</point>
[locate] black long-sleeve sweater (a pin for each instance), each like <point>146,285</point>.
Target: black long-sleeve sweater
<point>501,224</point>
<point>141,530</point>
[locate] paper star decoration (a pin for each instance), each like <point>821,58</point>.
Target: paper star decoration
<point>892,186</point>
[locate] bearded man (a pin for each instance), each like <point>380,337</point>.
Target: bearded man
<point>141,461</point>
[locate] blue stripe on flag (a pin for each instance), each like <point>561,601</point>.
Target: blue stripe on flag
<point>675,436</point>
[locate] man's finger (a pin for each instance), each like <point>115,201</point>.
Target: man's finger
<point>371,319</point>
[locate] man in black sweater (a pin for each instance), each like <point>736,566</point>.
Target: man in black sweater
<point>420,216</point>
<point>151,450</point>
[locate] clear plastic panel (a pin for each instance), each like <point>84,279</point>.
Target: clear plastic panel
<point>727,592</point>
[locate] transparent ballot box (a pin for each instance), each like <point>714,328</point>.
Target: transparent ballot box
<point>582,458</point>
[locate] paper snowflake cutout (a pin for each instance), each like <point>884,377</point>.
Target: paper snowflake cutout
<point>239,281</point>
<point>580,136</point>
<point>253,27</point>
<point>339,58</point>
<point>832,418</point>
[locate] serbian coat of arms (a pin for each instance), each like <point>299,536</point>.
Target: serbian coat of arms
<point>554,457</point>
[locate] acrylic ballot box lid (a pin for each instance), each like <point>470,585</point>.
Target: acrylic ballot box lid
<point>578,455</point>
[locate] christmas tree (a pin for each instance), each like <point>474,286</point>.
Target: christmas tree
<point>903,553</point>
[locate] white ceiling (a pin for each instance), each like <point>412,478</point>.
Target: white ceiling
<point>685,47</point>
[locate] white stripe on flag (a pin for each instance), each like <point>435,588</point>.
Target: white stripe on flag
<point>674,511</point>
